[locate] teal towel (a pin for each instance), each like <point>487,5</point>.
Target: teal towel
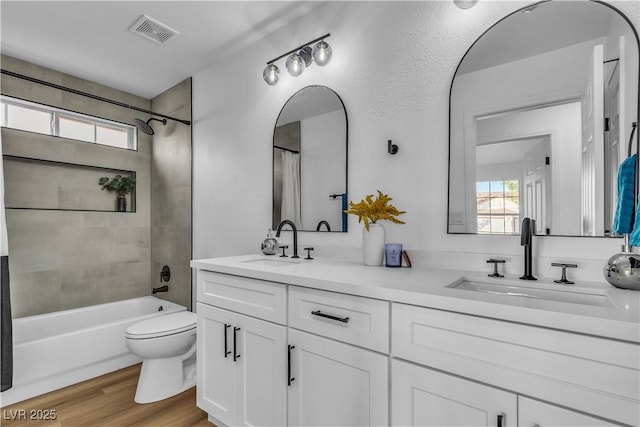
<point>634,237</point>
<point>626,197</point>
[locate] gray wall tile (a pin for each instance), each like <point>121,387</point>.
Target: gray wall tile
<point>171,194</point>
<point>65,259</point>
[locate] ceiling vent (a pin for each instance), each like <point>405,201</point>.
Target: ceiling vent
<point>152,30</point>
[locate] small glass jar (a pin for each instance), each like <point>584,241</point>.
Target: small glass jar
<point>393,254</point>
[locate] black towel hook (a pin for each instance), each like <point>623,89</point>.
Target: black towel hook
<point>391,147</point>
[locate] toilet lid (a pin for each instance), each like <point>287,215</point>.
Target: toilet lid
<point>167,324</point>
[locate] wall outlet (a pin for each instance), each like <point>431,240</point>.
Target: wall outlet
<point>456,218</point>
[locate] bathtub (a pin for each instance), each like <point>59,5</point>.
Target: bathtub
<point>54,350</point>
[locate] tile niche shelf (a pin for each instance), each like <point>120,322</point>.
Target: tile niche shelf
<point>40,184</point>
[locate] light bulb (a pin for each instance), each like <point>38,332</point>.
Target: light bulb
<point>306,55</point>
<point>465,4</point>
<point>295,64</point>
<point>270,74</point>
<point>322,53</point>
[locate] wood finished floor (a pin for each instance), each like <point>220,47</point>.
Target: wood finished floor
<point>107,401</point>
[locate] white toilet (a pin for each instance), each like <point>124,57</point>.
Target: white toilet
<point>167,345</point>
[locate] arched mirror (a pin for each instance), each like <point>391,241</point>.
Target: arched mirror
<point>541,113</point>
<point>310,161</point>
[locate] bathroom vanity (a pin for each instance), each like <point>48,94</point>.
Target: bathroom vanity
<point>332,342</point>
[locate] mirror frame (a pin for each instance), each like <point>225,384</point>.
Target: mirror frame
<point>637,120</point>
<point>344,229</point>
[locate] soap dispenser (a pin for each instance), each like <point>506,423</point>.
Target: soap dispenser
<point>623,269</point>
<point>270,244</point>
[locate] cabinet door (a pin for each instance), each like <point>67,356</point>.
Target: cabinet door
<point>336,384</point>
<point>534,413</point>
<point>424,397</point>
<point>261,353</point>
<point>216,385</point>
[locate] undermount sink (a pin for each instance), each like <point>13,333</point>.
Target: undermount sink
<point>582,296</point>
<point>275,262</point>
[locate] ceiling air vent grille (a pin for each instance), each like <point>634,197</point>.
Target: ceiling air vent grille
<point>152,30</point>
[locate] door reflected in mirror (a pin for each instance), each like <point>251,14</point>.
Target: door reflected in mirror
<point>541,111</point>
<point>310,161</point>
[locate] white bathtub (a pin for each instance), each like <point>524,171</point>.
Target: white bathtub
<point>54,350</point>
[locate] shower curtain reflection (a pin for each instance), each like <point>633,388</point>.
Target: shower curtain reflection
<point>6,326</point>
<point>291,187</point>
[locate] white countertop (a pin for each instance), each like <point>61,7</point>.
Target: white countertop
<point>427,287</point>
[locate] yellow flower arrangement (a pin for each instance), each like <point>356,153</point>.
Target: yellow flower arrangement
<point>370,210</point>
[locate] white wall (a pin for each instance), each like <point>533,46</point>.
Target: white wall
<point>392,66</point>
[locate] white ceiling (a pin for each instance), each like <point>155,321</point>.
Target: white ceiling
<point>506,152</point>
<point>91,39</point>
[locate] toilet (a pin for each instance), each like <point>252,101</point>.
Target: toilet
<point>167,345</point>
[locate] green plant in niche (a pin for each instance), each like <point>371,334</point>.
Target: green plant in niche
<point>122,185</point>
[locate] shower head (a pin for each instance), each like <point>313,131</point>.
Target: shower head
<point>144,126</point>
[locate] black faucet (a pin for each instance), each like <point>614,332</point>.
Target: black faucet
<point>321,223</point>
<point>527,231</point>
<point>295,235</point>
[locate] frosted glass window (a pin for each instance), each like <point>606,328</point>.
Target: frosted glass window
<point>22,118</point>
<point>112,136</point>
<point>25,115</point>
<point>73,128</point>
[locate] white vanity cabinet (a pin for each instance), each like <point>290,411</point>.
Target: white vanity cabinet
<point>592,375</point>
<point>255,367</point>
<point>424,397</point>
<point>335,383</point>
<point>308,354</point>
<point>242,364</point>
<point>533,413</point>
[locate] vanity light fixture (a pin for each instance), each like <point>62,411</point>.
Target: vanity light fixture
<point>299,59</point>
<point>322,53</point>
<point>271,74</point>
<point>465,4</point>
<point>295,64</point>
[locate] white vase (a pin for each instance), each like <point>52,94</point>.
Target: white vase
<point>373,245</point>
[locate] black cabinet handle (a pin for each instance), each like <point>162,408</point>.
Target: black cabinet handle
<point>500,421</point>
<point>290,379</point>
<point>330,316</point>
<point>224,331</point>
<point>236,356</point>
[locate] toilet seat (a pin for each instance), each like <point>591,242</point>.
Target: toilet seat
<point>161,326</point>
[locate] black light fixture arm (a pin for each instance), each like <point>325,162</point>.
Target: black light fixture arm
<point>299,47</point>
<point>89,95</point>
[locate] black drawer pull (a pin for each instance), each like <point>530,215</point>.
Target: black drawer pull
<point>290,379</point>
<point>227,352</point>
<point>236,356</point>
<point>330,316</point>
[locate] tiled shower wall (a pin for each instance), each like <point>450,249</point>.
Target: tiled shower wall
<point>171,193</point>
<point>62,259</point>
